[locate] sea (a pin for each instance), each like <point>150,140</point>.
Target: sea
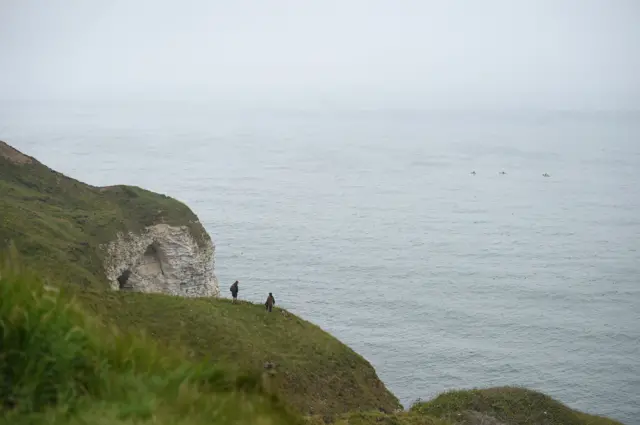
<point>372,224</point>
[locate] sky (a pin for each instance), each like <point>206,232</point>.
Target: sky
<point>566,54</point>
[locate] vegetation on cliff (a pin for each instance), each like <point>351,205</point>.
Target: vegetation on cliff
<point>492,406</point>
<point>313,371</point>
<point>506,405</point>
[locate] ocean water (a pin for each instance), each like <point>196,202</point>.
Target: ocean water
<point>369,224</point>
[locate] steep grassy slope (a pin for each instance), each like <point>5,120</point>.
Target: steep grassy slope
<point>58,366</point>
<point>313,371</point>
<point>58,224</point>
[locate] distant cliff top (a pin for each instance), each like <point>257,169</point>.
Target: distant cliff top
<point>13,155</point>
<point>62,225</point>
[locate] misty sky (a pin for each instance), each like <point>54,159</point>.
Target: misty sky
<point>490,53</point>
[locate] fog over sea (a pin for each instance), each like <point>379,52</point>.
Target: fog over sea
<point>370,224</point>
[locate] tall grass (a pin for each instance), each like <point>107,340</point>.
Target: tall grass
<point>58,365</point>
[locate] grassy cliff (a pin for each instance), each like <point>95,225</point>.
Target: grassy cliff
<point>74,352</point>
<point>59,223</point>
<point>313,371</point>
<point>58,226</point>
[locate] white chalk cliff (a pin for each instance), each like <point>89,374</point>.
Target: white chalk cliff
<point>164,259</point>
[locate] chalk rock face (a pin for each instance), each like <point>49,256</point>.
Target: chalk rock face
<point>163,259</point>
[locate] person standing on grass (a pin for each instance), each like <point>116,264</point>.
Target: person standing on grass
<point>270,302</point>
<point>234,291</point>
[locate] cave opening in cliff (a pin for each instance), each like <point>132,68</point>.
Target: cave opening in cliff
<point>152,260</point>
<point>123,280</point>
<point>151,251</point>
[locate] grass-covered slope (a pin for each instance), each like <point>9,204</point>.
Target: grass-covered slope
<point>312,370</point>
<point>60,366</point>
<point>492,406</point>
<point>59,223</point>
<point>505,405</point>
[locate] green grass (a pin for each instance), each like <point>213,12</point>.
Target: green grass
<point>505,405</point>
<point>117,358</point>
<point>314,371</point>
<point>60,366</point>
<point>378,418</point>
<point>492,406</point>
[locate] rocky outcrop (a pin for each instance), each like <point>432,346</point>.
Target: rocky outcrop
<point>164,259</point>
<point>13,155</point>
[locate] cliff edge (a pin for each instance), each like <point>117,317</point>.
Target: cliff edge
<point>118,237</point>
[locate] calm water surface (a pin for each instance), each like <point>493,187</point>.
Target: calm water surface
<point>371,225</point>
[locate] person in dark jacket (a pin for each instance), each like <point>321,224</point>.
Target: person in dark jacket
<point>270,302</point>
<point>234,291</point>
